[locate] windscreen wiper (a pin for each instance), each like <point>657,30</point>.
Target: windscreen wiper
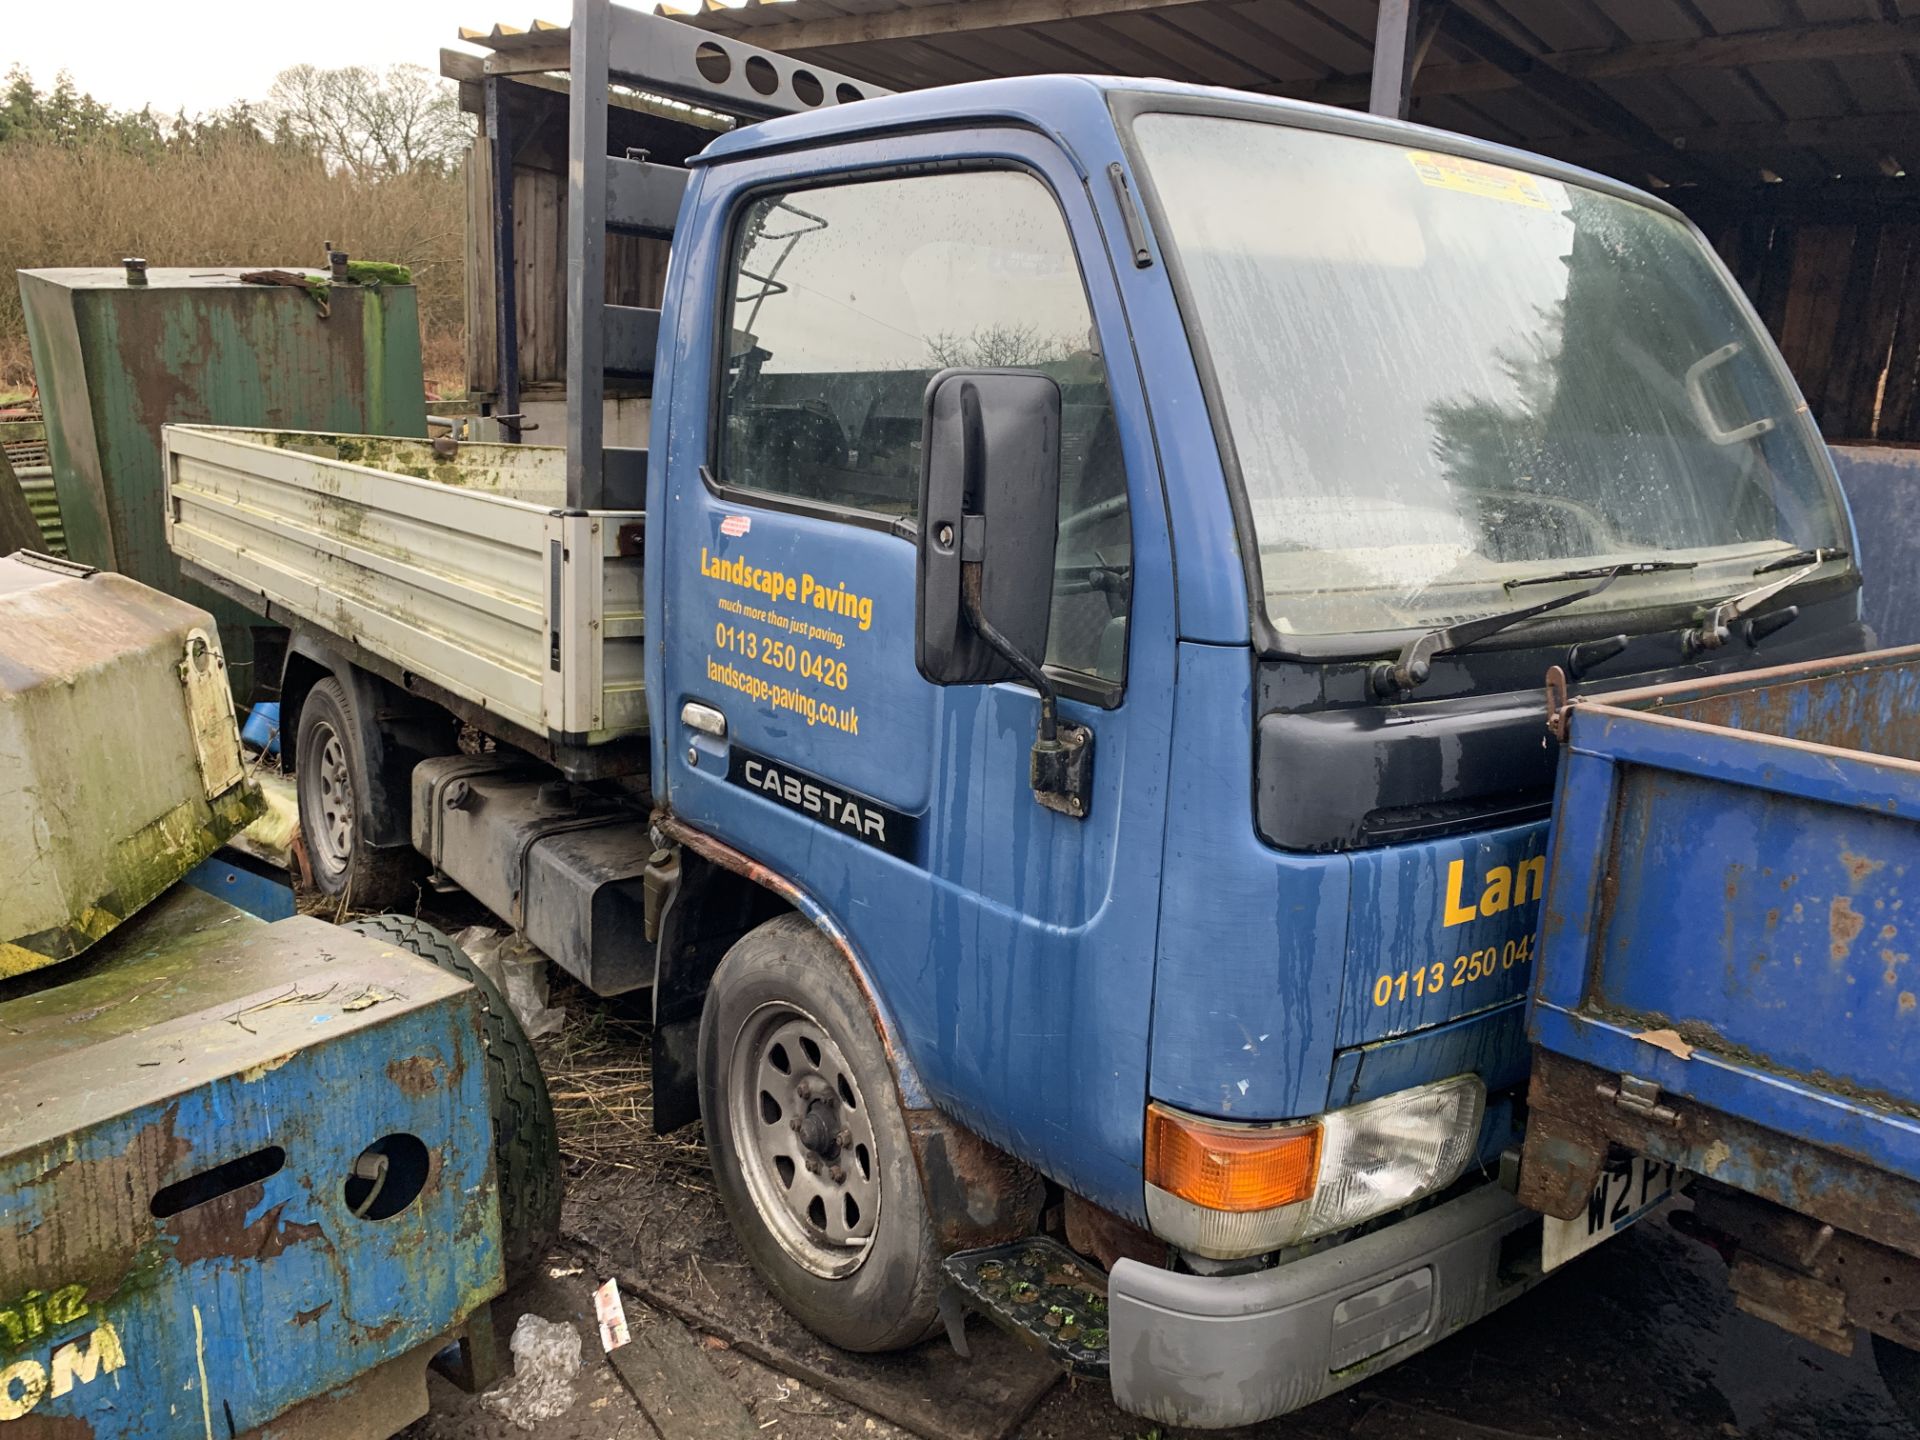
<point>1415,663</point>
<point>1637,567</point>
<point>1715,627</point>
<point>1803,557</point>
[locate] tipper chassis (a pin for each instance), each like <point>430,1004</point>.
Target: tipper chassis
<point>1135,951</point>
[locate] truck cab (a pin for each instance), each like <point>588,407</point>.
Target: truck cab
<point>1330,393</point>
<point>1055,714</point>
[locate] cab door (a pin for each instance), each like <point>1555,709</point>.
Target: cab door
<point>1010,946</point>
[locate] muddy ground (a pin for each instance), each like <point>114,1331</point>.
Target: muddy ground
<point>1638,1338</point>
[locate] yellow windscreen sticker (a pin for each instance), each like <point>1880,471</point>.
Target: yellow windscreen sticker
<point>1491,182</point>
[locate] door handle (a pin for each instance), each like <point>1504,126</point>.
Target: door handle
<point>704,718</point>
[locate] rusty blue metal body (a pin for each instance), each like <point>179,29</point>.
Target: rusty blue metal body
<point>179,1250</point>
<point>1883,491</point>
<point>1732,865</point>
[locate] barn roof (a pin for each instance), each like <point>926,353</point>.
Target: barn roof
<point>1658,92</point>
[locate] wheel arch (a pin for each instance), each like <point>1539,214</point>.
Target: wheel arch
<point>395,730</point>
<point>976,1193</point>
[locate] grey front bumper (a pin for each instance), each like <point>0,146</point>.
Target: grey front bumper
<point>1211,1352</point>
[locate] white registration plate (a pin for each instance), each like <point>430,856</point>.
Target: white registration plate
<point>1626,1190</point>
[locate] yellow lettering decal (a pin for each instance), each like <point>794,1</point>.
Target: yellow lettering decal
<point>1499,891</point>
<point>22,1386</point>
<point>79,1361</point>
<point>67,1304</point>
<point>1457,913</point>
<point>1536,869</point>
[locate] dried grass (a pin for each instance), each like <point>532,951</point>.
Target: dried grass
<point>601,1079</point>
<point>224,204</point>
<point>599,1073</point>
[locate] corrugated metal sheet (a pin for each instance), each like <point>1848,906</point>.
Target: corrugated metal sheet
<point>25,444</point>
<point>37,482</point>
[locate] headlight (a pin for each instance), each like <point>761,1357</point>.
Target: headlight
<point>1227,1191</point>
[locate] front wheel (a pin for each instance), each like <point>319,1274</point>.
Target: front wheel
<point>809,1145</point>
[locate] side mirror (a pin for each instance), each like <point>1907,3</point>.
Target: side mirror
<point>989,527</point>
<point>989,498</point>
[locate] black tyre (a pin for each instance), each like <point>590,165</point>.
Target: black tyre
<point>809,1145</point>
<point>1900,1368</point>
<point>526,1146</point>
<point>332,787</point>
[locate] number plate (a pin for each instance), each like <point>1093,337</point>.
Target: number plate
<point>1626,1190</point>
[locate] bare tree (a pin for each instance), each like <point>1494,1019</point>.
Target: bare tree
<point>995,346</point>
<point>373,122</point>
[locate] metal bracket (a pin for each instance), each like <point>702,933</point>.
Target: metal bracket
<point>1061,771</point>
<point>1557,704</point>
<point>1639,1097</point>
<point>216,737</point>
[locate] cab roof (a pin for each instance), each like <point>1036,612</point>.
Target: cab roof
<point>1077,107</point>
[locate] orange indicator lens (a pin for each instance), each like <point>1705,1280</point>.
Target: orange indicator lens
<point>1235,1168</point>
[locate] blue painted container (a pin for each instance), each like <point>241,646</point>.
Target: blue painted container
<point>1728,920</point>
<point>1883,491</point>
<point>262,730</point>
<point>185,1250</point>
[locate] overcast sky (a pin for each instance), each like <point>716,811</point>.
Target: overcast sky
<point>201,54</point>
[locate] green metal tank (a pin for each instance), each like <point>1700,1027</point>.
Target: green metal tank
<point>116,360</point>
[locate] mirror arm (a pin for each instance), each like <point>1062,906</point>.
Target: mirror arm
<point>1061,766</point>
<point>1033,674</point>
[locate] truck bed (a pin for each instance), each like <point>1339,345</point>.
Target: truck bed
<point>1727,967</point>
<point>465,570</point>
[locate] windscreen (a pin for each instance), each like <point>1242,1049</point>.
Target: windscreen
<point>1442,377</point>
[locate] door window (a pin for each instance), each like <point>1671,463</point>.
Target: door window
<point>847,299</point>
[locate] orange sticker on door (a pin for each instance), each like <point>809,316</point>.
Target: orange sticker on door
<point>1490,182</point>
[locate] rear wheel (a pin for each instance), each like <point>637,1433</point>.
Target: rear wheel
<point>809,1145</point>
<point>332,786</point>
<point>526,1144</point>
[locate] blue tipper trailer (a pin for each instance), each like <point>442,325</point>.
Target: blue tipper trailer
<point>1726,982</point>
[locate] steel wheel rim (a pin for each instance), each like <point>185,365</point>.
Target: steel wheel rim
<point>793,1099</point>
<point>326,800</point>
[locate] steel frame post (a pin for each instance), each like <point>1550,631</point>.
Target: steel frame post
<point>587,254</point>
<point>506,307</point>
<point>1395,46</point>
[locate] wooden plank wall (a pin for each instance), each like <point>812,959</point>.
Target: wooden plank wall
<point>1843,301</point>
<point>636,275</point>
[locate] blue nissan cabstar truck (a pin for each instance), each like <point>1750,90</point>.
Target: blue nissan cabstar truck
<point>1054,716</point>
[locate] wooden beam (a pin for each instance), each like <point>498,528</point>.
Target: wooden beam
<point>1769,47</point>
<point>1899,134</point>
<point>925,21</point>
<point>459,65</point>
<point>678,1388</point>
<point>1854,200</point>
<point>1573,95</point>
<point>1710,52</point>
<point>535,60</point>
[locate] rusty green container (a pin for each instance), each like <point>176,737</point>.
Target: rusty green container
<point>116,361</point>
